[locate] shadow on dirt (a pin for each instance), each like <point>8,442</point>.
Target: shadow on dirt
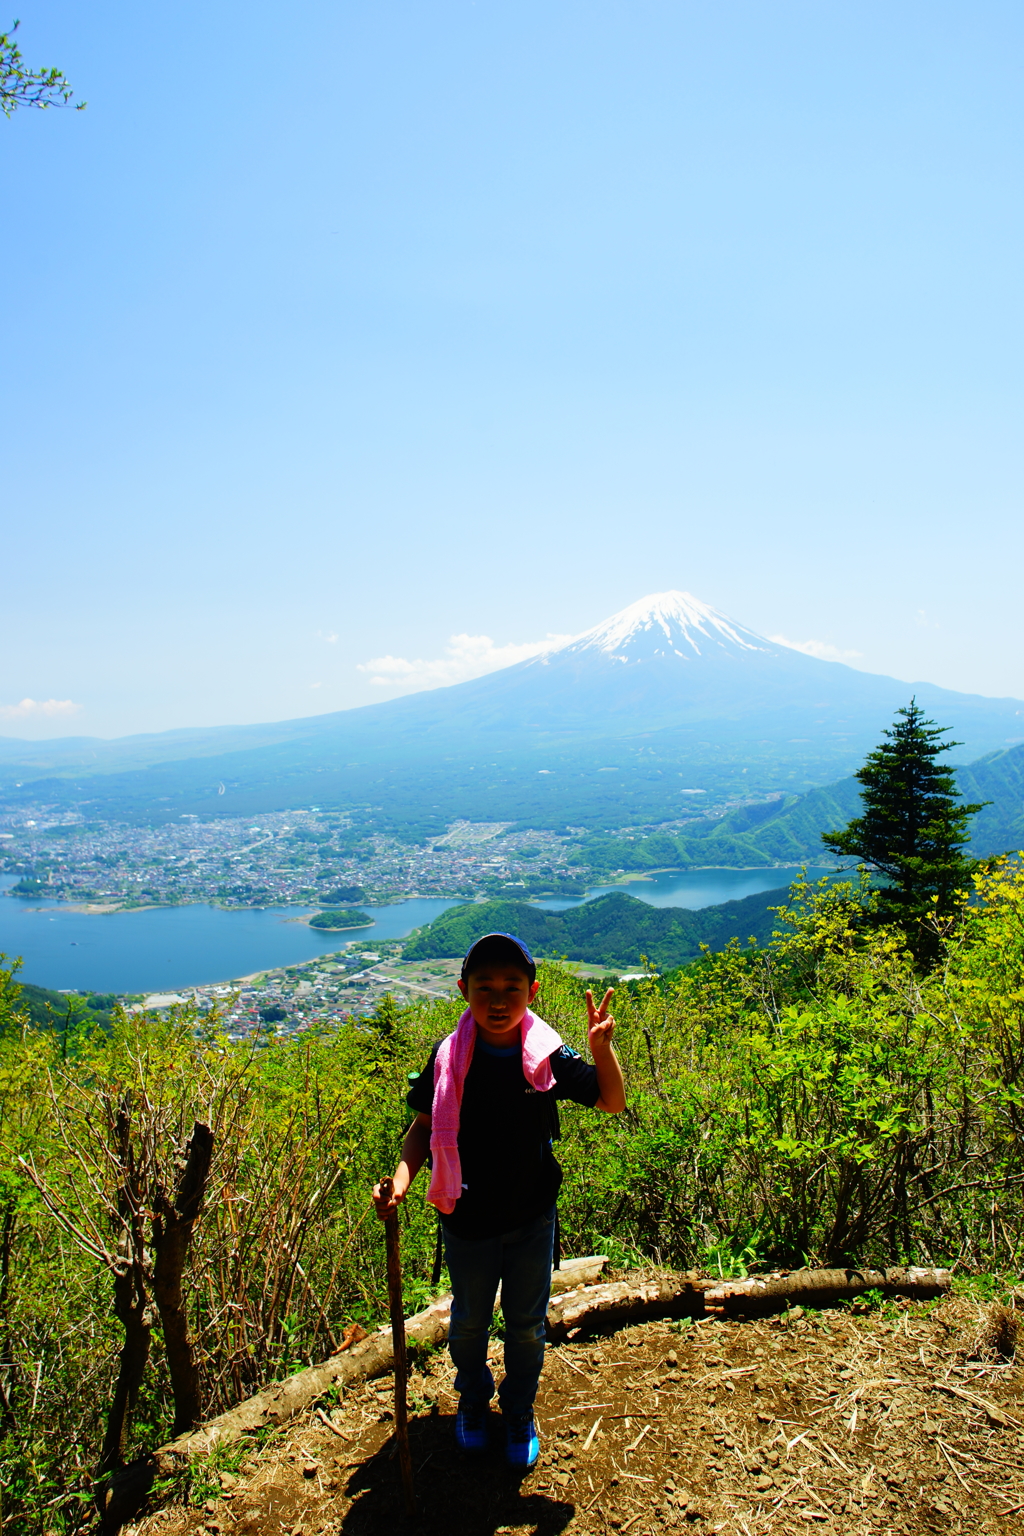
<point>454,1492</point>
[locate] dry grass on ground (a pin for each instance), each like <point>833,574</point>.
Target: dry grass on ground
<point>907,1421</point>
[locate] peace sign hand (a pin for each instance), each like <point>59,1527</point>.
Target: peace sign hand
<point>600,1023</point>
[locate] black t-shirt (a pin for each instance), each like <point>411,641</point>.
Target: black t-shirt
<point>509,1172</point>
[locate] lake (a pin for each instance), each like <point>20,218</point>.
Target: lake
<point>695,888</point>
<point>163,949</point>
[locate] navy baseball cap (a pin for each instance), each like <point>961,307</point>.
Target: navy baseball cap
<point>498,946</point>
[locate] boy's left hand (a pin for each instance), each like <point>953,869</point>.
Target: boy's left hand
<point>600,1023</point>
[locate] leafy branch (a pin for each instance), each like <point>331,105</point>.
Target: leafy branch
<point>22,87</point>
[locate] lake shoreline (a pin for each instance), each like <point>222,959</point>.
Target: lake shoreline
<point>174,947</point>
<point>168,947</point>
<point>101,909</point>
<point>631,877</point>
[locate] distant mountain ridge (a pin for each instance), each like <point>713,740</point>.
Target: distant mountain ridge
<point>788,830</point>
<point>667,689</point>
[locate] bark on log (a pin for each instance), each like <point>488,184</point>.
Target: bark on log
<point>573,1272</point>
<point>760,1295</point>
<point>606,1304</point>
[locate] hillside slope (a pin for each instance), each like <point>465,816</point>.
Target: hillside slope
<point>729,1398</point>
<point>787,830</point>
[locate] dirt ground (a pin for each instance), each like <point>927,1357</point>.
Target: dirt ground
<point>904,1421</point>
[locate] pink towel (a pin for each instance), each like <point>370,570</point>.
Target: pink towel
<point>451,1064</point>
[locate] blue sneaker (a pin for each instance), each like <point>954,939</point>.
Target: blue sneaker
<point>522,1446</point>
<point>471,1426</point>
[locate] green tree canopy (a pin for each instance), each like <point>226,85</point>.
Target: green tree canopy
<point>343,917</point>
<point>340,895</point>
<point>914,827</point>
<point>22,87</point>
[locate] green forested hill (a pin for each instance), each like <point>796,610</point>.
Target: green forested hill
<point>614,930</point>
<point>788,830</point>
<point>46,1008</point>
<point>999,828</point>
<point>343,918</point>
<point>783,831</point>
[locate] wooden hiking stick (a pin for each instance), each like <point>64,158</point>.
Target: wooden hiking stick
<point>398,1344</point>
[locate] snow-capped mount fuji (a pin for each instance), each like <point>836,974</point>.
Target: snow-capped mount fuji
<point>680,674</point>
<point>667,624</point>
<point>671,660</point>
<point>665,696</point>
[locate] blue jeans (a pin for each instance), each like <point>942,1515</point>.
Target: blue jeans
<point>521,1260</point>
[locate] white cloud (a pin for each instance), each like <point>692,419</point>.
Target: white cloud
<point>466,656</point>
<point>819,648</point>
<point>32,709</point>
<point>331,638</point>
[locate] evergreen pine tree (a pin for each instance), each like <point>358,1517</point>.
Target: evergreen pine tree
<point>914,826</point>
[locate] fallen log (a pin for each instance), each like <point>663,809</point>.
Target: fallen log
<point>372,1356</point>
<point>607,1305</point>
<point>761,1294</point>
<point>573,1272</point>
<point>282,1400</point>
<point>576,1303</point>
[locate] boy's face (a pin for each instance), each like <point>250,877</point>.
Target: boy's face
<point>498,997</point>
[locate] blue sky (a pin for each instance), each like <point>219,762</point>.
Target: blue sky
<point>335,332</point>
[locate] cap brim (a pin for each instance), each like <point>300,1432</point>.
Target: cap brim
<point>529,964</point>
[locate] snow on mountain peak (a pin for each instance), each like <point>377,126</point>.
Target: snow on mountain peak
<point>667,623</point>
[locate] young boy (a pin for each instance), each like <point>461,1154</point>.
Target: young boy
<point>485,1116</point>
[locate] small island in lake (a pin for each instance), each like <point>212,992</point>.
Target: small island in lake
<point>342,917</point>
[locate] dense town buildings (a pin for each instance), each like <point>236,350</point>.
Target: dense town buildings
<point>303,858</point>
<point>269,860</point>
<point>291,1000</point>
